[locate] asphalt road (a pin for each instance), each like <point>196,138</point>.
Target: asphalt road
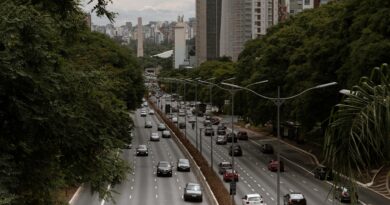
<point>142,185</point>
<point>255,177</point>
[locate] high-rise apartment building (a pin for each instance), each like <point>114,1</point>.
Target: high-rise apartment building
<point>140,39</point>
<point>265,15</point>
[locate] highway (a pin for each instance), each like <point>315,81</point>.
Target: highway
<point>142,185</point>
<point>256,178</point>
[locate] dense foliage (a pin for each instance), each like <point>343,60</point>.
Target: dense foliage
<point>64,96</point>
<point>339,42</point>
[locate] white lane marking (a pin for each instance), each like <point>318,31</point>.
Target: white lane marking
<point>131,188</point>
<point>130,197</point>
<point>291,190</point>
<point>315,189</point>
<point>155,187</point>
<point>272,199</point>
<point>304,181</point>
<point>267,194</point>
<point>156,196</point>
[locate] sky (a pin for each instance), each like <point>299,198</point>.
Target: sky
<point>149,10</point>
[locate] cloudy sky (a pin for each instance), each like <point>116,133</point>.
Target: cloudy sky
<point>149,10</point>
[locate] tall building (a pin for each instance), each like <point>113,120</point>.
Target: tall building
<point>265,15</point>
<point>180,43</point>
<point>140,39</point>
<point>213,26</point>
<point>201,35</point>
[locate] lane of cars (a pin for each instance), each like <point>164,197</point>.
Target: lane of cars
<point>272,164</point>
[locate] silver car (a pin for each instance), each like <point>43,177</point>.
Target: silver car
<point>183,165</point>
<point>154,137</point>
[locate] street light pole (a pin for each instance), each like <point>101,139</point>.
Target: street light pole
<point>278,102</point>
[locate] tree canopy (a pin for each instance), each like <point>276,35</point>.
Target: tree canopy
<point>65,93</point>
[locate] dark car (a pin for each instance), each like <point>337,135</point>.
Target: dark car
<point>294,198</point>
<point>242,135</point>
<point>230,175</point>
<point>221,131</point>
<point>183,165</point>
<point>323,173</point>
<point>221,139</point>
<point>182,125</point>
<point>343,194</point>
<point>141,150</point>
<point>207,117</point>
<point>208,132</point>
<point>221,127</point>
<point>164,168</point>
<point>223,166</point>
<point>274,164</point>
<point>192,192</point>
<point>236,150</point>
<point>207,123</point>
<point>267,149</point>
<point>231,136</point>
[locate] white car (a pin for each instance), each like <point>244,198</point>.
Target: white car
<point>174,119</point>
<point>143,113</point>
<point>161,127</point>
<point>154,137</point>
<point>252,199</point>
<point>151,112</point>
<point>191,119</point>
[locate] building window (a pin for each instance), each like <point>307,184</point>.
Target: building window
<point>258,30</point>
<point>307,2</point>
<point>291,11</point>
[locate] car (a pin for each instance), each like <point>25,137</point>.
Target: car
<point>164,168</point>
<point>230,175</point>
<point>221,139</point>
<point>343,194</point>
<point>294,198</point>
<point>145,104</point>
<point>242,135</point>
<point>274,164</point>
<point>183,165</point>
<point>231,136</point>
<point>154,137</point>
<point>207,117</point>
<point>222,166</point>
<point>166,134</point>
<point>235,150</point>
<point>207,123</point>
<point>175,109</point>
<point>182,114</point>
<point>267,149</point>
<point>143,113</point>
<point>174,119</point>
<point>151,112</point>
<point>252,199</point>
<point>141,150</point>
<point>221,131</point>
<point>208,131</point>
<point>148,124</point>
<point>192,192</point>
<point>221,127</point>
<point>182,125</point>
<point>323,173</point>
<point>161,127</point>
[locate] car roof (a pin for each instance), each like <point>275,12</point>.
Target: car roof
<point>296,196</point>
<point>253,195</point>
<point>193,184</point>
<point>183,160</point>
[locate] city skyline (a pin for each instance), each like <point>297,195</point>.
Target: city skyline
<point>149,10</point>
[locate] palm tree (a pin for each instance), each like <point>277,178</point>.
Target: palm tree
<point>358,136</point>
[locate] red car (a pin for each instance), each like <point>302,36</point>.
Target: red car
<point>229,175</point>
<point>274,164</point>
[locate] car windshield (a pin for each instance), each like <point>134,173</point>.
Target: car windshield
<point>164,164</point>
<point>193,187</point>
<point>141,147</point>
<point>226,165</point>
